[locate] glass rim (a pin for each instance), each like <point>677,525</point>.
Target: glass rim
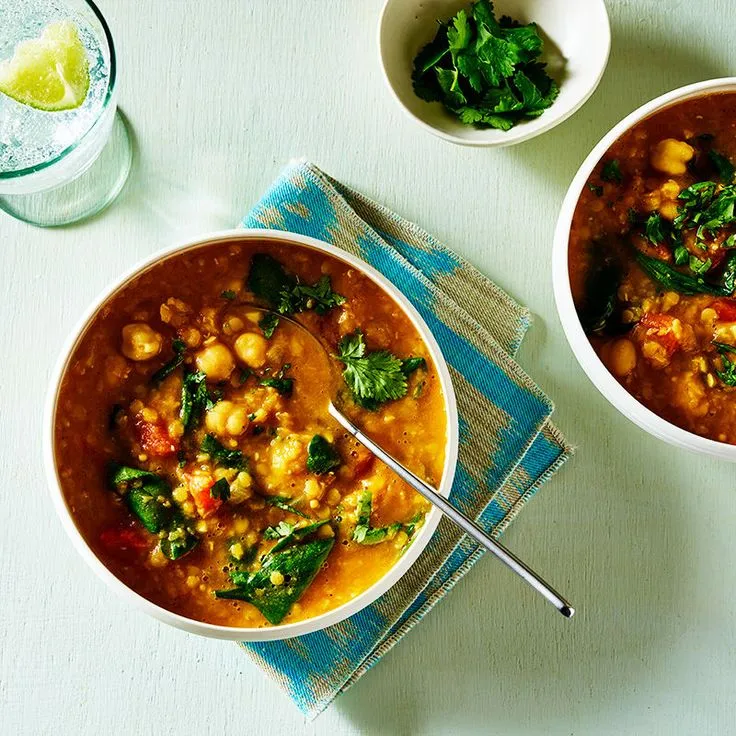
<point>18,173</point>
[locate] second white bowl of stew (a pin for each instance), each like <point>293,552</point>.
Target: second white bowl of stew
<point>645,267</point>
<point>190,454</point>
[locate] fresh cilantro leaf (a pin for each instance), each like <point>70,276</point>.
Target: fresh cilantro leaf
<point>654,229</point>
<point>321,456</point>
<point>485,72</point>
<point>221,455</point>
<point>285,386</point>
<point>179,347</point>
<point>680,255</point>
<point>375,376</point>
<point>611,172</point>
<point>220,490</point>
<point>228,294</point>
<point>596,189</point>
<point>268,324</point>
<point>723,166</point>
<point>320,297</point>
<point>699,267</point>
<point>727,374</point>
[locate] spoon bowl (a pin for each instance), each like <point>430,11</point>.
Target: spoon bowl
<point>418,484</point>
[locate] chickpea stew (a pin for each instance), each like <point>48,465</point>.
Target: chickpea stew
<point>652,262</point>
<point>193,445</point>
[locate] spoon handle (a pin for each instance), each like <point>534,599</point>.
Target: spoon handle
<point>466,524</point>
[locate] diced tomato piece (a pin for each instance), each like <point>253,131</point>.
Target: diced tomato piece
<point>658,328</point>
<point>155,438</point>
<point>363,463</point>
<point>725,309</point>
<point>123,539</point>
<point>199,486</point>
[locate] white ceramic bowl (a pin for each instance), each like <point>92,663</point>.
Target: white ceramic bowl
<point>586,356</point>
<point>274,632</point>
<point>577,39</point>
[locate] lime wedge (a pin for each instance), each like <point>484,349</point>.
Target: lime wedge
<point>50,72</point>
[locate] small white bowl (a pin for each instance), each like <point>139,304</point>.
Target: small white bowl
<point>284,631</point>
<point>581,347</point>
<point>577,40</point>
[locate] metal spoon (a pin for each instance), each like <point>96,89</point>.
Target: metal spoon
<point>467,525</point>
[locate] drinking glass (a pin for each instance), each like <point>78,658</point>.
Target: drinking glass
<point>60,167</point>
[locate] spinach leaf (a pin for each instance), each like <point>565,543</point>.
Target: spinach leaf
<point>409,365</point>
<point>723,166</point>
<point>321,456</point>
<point>364,533</point>
<point>267,278</point>
<point>148,496</point>
<point>195,398</point>
<point>683,283</point>
<point>179,347</point>
<point>282,502</point>
<point>295,534</point>
<point>599,311</point>
<point>220,490</point>
<point>178,541</point>
<point>221,455</point>
<point>281,580</point>
<point>611,172</point>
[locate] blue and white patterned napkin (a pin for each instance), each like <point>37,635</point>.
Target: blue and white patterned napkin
<point>508,445</point>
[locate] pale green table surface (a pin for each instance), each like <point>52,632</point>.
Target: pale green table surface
<point>640,536</point>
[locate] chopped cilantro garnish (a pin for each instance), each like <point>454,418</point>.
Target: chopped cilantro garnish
<point>285,386</point>
<point>268,324</point>
<point>484,71</point>
<point>597,189</point>
<point>228,294</point>
<point>269,281</point>
<point>374,377</point>
<point>654,229</point>
<point>611,172</point>
<point>728,372</point>
<point>699,267</point>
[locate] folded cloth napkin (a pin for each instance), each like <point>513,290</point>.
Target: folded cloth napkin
<point>508,445</point>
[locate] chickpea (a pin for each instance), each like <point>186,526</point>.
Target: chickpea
<point>671,156</point>
<point>225,417</point>
<point>623,357</point>
<point>216,361</point>
<point>250,347</point>
<point>140,342</point>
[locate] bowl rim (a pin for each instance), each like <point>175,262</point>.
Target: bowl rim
<point>284,631</point>
<point>517,134</point>
<point>588,359</point>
